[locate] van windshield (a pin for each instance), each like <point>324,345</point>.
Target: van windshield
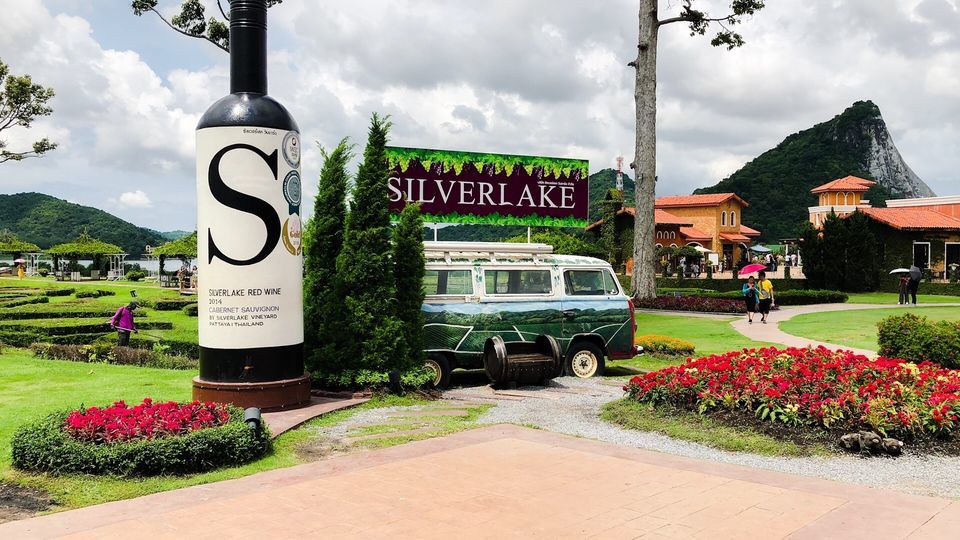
<point>517,281</point>
<point>447,282</point>
<point>589,283</point>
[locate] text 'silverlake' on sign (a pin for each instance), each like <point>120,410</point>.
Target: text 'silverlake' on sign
<point>499,189</point>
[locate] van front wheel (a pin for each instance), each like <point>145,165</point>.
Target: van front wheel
<point>584,360</point>
<point>439,368</point>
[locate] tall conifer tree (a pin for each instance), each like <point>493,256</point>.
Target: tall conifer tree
<point>323,239</point>
<point>408,267</point>
<point>364,267</point>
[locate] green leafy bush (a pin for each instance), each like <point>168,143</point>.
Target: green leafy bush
<point>93,293</point>
<point>364,378</point>
<point>24,301</point>
<point>44,446</point>
<point>43,272</point>
<point>105,352</point>
<point>135,275</point>
<point>191,310</point>
<point>788,298</point>
<point>665,345</point>
<point>915,339</point>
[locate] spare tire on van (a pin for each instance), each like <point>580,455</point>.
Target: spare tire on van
<point>522,363</point>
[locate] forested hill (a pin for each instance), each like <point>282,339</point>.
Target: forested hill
<point>777,183</point>
<point>47,221</point>
<point>600,182</point>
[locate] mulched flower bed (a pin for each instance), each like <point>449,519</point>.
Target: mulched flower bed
<point>832,391</point>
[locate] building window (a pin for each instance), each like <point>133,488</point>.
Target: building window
<point>673,235</point>
<point>921,255</point>
<point>723,219</point>
<point>659,235</point>
<point>733,218</point>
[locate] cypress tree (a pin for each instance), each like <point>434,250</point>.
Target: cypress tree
<point>364,267</point>
<point>408,268</point>
<point>323,238</point>
<point>862,268</point>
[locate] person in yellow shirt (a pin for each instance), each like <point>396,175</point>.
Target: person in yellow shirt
<point>765,295</point>
<point>20,271</point>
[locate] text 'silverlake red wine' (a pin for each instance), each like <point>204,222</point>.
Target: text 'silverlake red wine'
<point>250,280</point>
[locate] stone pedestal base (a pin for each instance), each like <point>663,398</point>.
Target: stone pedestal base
<point>268,396</point>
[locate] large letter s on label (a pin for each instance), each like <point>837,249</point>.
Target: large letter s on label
<point>245,203</point>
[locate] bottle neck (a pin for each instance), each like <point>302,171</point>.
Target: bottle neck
<point>248,46</point>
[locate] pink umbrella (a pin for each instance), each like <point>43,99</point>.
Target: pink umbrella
<point>751,268</point>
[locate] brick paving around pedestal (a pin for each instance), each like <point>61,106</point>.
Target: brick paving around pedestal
<point>510,482</point>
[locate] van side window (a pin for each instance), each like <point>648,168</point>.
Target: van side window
<point>517,281</point>
<point>589,283</point>
<point>447,282</point>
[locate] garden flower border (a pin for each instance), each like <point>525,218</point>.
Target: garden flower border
<point>44,446</point>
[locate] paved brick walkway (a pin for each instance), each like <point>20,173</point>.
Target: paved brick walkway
<point>771,331</point>
<point>510,482</point>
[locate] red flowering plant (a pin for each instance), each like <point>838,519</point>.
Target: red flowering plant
<point>818,387</point>
<point>148,420</point>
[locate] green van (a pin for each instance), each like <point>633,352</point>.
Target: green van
<point>518,291</point>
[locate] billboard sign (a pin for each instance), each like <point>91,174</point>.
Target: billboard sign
<point>494,189</point>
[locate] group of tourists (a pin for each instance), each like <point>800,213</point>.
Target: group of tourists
<point>758,295</point>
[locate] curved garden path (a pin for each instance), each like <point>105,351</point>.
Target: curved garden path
<point>771,332</point>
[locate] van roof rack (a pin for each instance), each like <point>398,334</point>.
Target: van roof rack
<point>475,250</point>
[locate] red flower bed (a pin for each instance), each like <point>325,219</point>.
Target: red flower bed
<point>694,303</point>
<point>148,420</point>
<point>833,389</point>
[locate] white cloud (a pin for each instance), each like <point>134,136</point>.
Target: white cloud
<point>131,199</point>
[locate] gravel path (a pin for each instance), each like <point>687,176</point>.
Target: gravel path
<point>575,413</point>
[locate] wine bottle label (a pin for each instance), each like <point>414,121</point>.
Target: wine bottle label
<point>250,272</point>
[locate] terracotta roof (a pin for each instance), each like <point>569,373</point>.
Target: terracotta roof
<point>709,199</point>
<point>660,217</point>
<point>749,231</point>
<point>731,237</point>
<point>847,183</point>
<point>913,218</point>
<point>692,233</point>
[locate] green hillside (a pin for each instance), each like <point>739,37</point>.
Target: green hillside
<point>47,221</point>
<point>777,183</point>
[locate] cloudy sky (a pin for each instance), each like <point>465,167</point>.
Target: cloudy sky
<point>542,77</point>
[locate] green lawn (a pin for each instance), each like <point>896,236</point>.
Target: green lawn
<point>891,298</point>
<point>856,328</point>
<point>31,388</point>
<point>709,335</point>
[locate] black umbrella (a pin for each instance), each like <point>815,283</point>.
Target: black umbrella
<point>915,273</point>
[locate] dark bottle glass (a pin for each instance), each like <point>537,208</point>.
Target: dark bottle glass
<point>250,281</point>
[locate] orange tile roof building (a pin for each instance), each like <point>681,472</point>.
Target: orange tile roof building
<point>711,221</point>
<point>923,231</point>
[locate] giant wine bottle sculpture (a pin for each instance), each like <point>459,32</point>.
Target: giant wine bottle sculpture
<point>250,281</point>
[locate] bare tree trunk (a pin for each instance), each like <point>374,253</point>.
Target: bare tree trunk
<point>645,160</point>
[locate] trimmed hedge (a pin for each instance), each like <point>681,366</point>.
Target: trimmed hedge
<point>59,292</point>
<point>191,310</point>
<point>103,352</point>
<point>176,348</point>
<point>43,446</point>
<point>721,285</point>
<point>693,303</point>
<point>82,328</point>
<point>67,313</point>
<point>25,301</point>
<point>664,345</point>
<point>172,305</point>
<point>915,339</point>
<point>95,293</point>
<point>936,289</point>
<point>790,297</point>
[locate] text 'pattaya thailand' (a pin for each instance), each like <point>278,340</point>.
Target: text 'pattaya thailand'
<point>469,187</point>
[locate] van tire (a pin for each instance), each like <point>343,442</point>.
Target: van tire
<point>584,360</point>
<point>440,365</point>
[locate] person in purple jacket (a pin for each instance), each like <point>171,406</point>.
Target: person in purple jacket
<point>123,321</point>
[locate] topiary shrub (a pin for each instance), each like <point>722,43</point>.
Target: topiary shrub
<point>664,345</point>
<point>135,275</point>
<point>45,445</point>
<point>172,304</point>
<point>93,293</point>
<point>190,310</point>
<point>915,339</point>
<point>43,272</point>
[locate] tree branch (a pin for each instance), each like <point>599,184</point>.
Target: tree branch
<point>188,34</point>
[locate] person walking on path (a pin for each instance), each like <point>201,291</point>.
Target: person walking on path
<point>122,321</point>
<point>904,290</point>
<point>750,296</point>
<point>764,295</point>
<point>20,271</point>
<point>915,275</point>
